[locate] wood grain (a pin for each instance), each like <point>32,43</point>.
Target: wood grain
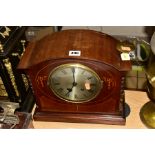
<point>98,52</point>
<point>93,45</point>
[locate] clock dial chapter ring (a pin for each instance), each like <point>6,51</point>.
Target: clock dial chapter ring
<point>74,83</point>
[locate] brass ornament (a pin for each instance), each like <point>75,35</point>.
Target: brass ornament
<point>147,114</point>
<point>23,44</point>
<point>1,47</point>
<point>2,89</point>
<point>9,69</point>
<point>125,47</point>
<point>6,32</point>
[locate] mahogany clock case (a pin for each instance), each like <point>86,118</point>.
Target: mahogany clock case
<point>98,52</point>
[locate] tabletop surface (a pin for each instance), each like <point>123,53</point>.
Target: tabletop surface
<point>134,99</point>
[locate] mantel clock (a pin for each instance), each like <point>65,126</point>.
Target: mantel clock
<point>77,76</point>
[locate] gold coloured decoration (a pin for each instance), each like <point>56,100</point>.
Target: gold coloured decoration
<point>6,32</point>
<point>2,89</point>
<point>16,55</point>
<point>23,44</point>
<point>150,70</point>
<point>25,81</point>
<point>125,47</point>
<point>147,114</point>
<point>1,47</point>
<point>9,69</point>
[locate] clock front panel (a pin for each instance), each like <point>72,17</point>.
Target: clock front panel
<point>76,86</point>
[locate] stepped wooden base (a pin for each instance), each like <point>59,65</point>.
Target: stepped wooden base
<point>79,118</point>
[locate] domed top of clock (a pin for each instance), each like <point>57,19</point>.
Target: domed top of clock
<point>74,44</point>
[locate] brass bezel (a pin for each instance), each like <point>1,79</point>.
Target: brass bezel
<point>79,66</point>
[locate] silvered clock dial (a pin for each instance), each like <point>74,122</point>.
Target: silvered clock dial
<point>74,83</point>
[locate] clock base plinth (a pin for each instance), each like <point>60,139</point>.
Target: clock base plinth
<point>79,118</point>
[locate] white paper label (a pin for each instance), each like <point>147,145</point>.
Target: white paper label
<point>74,53</point>
<point>125,56</point>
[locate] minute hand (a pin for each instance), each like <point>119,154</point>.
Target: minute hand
<point>73,71</point>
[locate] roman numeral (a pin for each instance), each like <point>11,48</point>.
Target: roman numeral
<point>91,91</point>
<point>75,96</point>
<point>64,72</point>
<point>60,90</point>
<point>67,94</point>
<point>82,89</point>
<point>89,77</point>
<point>84,95</point>
<point>83,72</point>
<point>54,80</point>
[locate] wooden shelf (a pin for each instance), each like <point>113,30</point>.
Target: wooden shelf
<point>135,100</point>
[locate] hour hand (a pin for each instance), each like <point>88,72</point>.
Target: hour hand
<point>69,89</point>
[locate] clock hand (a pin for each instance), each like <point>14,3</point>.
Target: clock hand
<point>73,84</point>
<point>69,90</point>
<point>73,71</point>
